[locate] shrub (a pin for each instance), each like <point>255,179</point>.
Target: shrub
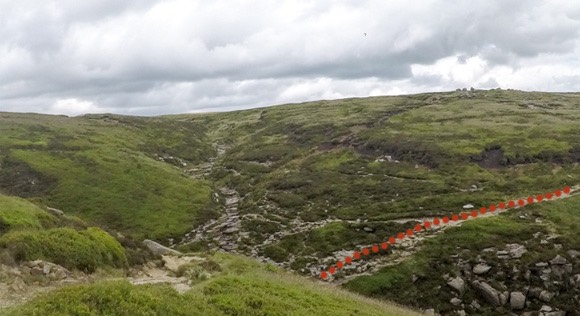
<point>85,250</point>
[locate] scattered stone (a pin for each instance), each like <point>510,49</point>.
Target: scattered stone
<point>555,313</point>
<point>159,249</point>
<point>458,284</point>
<point>535,292</point>
<point>414,278</point>
<point>18,285</point>
<point>545,309</point>
<point>502,253</point>
<point>517,300</point>
<point>516,250</point>
<point>55,211</point>
<point>546,296</point>
<point>573,253</point>
<point>481,268</point>
<point>461,313</point>
<point>487,292</point>
<point>468,206</point>
<point>489,249</point>
<point>430,312</point>
<point>541,264</point>
<point>558,260</point>
<point>455,301</point>
<point>368,229</point>
<point>558,246</point>
<point>503,298</point>
<point>36,271</point>
<point>562,270</point>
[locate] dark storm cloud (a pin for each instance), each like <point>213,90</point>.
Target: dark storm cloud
<point>155,57</point>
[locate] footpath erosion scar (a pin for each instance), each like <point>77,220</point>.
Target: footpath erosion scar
<point>441,222</point>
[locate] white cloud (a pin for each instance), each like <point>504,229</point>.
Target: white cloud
<point>152,57</point>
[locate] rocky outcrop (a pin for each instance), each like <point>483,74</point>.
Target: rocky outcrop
<point>159,249</point>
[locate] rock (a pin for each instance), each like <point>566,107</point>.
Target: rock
<point>573,253</point>
<point>17,285</point>
<point>557,246</point>
<point>562,270</point>
<point>481,268</point>
<point>414,278</point>
<point>503,298</point>
<point>46,269</point>
<point>516,250</point>
<point>535,292</point>
<point>36,271</point>
<point>475,304</point>
<point>457,284</point>
<point>461,313</point>
<point>368,229</point>
<point>541,264</point>
<point>159,249</point>
<point>555,313</point>
<point>487,292</point>
<point>467,206</point>
<point>517,300</point>
<point>430,312</point>
<point>546,296</point>
<point>455,301</point>
<point>502,253</point>
<point>55,211</point>
<point>545,309</point>
<point>558,260</point>
<point>575,280</point>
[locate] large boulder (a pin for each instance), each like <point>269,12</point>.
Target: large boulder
<point>159,249</point>
<point>457,284</point>
<point>490,294</point>
<point>517,300</point>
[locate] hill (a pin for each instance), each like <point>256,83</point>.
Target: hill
<point>303,185</point>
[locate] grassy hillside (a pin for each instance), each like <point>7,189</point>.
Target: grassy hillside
<point>301,184</point>
<point>107,169</point>
<point>546,230</point>
<point>241,287</point>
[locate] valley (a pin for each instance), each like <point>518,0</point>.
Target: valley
<point>301,186</point>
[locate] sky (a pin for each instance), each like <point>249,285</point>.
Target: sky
<point>147,57</point>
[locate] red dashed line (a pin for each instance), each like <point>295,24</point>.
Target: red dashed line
<point>436,222</point>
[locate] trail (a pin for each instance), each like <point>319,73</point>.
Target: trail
<point>406,247</point>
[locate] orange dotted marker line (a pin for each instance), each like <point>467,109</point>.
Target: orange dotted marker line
<point>501,206</point>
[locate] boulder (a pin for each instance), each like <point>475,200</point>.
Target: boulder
<point>481,268</point>
<point>517,300</point>
<point>455,301</point>
<point>516,250</point>
<point>36,271</point>
<point>457,284</point>
<point>18,285</point>
<point>558,260</point>
<point>487,292</point>
<point>159,249</point>
<point>546,296</point>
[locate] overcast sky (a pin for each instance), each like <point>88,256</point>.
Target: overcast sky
<point>146,57</point>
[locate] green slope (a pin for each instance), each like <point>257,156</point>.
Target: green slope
<point>106,170</point>
<point>243,287</point>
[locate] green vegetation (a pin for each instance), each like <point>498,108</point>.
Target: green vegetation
<point>239,287</point>
<point>17,213</point>
<point>435,258</point>
<point>106,169</point>
<point>84,250</point>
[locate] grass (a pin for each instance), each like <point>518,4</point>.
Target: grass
<point>435,257</point>
<point>105,169</point>
<point>85,250</point>
<point>239,287</point>
<point>17,213</point>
